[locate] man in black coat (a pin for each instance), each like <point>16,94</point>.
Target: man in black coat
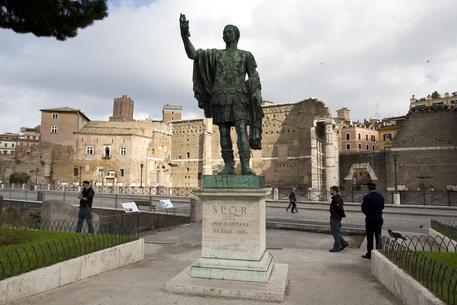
<point>85,207</point>
<point>372,206</point>
<point>336,215</point>
<point>292,201</point>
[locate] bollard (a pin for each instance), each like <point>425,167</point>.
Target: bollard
<point>39,196</point>
<point>275,193</point>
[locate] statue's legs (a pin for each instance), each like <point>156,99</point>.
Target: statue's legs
<point>226,150</point>
<point>243,147</point>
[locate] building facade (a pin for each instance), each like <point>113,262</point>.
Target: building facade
<point>59,124</point>
<point>27,142</point>
<point>8,145</point>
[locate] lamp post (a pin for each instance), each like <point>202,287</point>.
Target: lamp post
<point>141,176</point>
<point>395,172</point>
<point>80,170</point>
<point>396,195</point>
<point>36,176</point>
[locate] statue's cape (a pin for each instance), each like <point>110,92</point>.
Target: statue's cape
<point>203,78</point>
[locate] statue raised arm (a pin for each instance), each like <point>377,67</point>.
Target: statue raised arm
<point>185,34</point>
<point>220,86</point>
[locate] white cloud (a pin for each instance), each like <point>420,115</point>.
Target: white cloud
<point>351,53</point>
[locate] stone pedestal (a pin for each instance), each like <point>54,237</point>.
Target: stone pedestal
<point>234,250</point>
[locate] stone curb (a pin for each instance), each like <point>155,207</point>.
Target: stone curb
<point>66,272</point>
<point>399,283</point>
<point>434,234</point>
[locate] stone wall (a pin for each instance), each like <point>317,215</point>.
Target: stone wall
<point>285,158</point>
<point>426,149</point>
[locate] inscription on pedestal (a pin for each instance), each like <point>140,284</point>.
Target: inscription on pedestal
<point>233,230</point>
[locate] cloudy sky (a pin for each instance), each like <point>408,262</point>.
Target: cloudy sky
<point>370,56</point>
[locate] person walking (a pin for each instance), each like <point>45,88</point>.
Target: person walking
<point>292,201</point>
<point>372,206</point>
<point>336,215</point>
<point>85,207</point>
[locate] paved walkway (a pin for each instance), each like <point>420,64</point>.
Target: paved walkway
<point>316,277</point>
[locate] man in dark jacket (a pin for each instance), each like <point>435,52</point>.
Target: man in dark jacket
<point>336,215</point>
<point>372,206</point>
<point>85,207</point>
<point>292,201</point>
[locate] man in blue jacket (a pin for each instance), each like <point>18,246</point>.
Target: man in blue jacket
<point>85,207</point>
<point>372,206</point>
<point>336,215</point>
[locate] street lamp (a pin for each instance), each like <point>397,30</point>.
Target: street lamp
<point>36,176</point>
<point>80,170</point>
<point>141,177</point>
<point>395,172</point>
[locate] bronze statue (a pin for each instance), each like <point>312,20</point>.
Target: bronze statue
<point>221,88</point>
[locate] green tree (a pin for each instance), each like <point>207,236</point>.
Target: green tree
<point>19,178</point>
<point>55,18</point>
<point>436,95</point>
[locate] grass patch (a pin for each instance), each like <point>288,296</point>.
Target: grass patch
<point>448,231</point>
<point>429,269</point>
<point>36,249</point>
<point>449,258</point>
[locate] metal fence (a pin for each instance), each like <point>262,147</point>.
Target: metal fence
<point>414,256</point>
<point>446,227</point>
<point>29,192</point>
<point>429,198</point>
<point>62,244</point>
<point>144,202</point>
<point>108,189</point>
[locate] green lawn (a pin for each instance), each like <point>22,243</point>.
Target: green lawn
<point>447,231</point>
<point>429,268</point>
<point>37,249</point>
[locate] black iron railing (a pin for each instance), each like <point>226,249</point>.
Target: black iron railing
<point>446,227</point>
<point>417,256</point>
<point>56,241</point>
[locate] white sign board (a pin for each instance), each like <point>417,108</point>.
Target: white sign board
<point>166,204</point>
<point>130,207</point>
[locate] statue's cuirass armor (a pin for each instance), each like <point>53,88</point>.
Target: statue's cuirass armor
<point>229,81</point>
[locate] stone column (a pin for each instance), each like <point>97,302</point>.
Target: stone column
<point>331,157</point>
<point>207,146</point>
<point>314,190</point>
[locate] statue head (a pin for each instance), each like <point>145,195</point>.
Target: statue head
<point>231,33</point>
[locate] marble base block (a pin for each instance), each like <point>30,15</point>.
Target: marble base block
<point>233,243</point>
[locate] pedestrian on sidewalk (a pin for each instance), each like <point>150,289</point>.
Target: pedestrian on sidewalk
<point>85,207</point>
<point>372,206</point>
<point>336,215</point>
<point>292,201</point>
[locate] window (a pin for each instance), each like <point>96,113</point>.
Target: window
<point>348,136</point>
<point>6,144</point>
<point>55,116</point>
<point>12,145</point>
<point>54,129</point>
<point>100,172</point>
<point>348,146</point>
<point>360,146</point>
<point>106,152</point>
<point>367,147</point>
<point>122,172</point>
<point>75,171</point>
<point>373,138</point>
<point>387,137</point>
<point>188,154</point>
<point>359,136</point>
<point>123,151</point>
<point>89,150</point>
<point>373,147</point>
<point>366,137</point>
